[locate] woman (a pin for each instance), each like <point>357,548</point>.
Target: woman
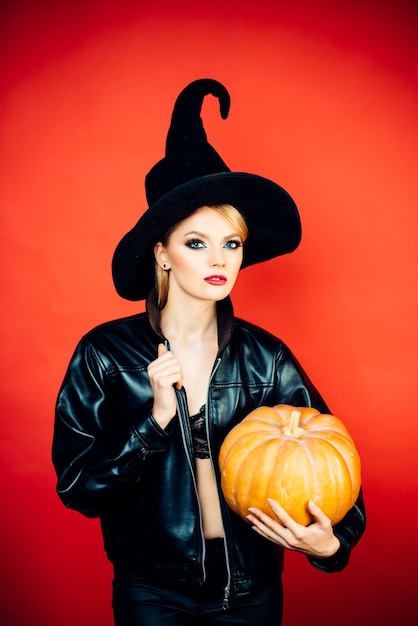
<point>148,400</point>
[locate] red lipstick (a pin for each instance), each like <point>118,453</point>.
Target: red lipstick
<point>216,279</point>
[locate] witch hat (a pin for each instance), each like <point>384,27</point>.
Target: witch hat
<point>192,174</point>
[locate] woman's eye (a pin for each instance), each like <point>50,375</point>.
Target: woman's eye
<point>195,244</point>
<point>233,244</point>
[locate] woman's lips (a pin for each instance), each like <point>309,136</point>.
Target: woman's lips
<point>216,279</point>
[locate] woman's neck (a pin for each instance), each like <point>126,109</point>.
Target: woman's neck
<point>189,321</point>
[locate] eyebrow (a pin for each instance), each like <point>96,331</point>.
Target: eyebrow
<point>204,236</point>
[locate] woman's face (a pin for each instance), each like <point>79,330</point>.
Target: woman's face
<point>204,256</point>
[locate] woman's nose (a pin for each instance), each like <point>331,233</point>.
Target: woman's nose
<point>217,258</point>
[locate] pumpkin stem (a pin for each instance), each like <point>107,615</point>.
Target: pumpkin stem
<point>294,430</point>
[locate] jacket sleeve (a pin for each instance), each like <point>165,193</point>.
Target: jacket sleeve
<point>349,531</point>
<point>295,388</point>
<point>97,456</point>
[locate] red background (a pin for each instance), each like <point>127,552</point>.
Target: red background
<point>324,101</point>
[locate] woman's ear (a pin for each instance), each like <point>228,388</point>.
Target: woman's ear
<point>160,254</point>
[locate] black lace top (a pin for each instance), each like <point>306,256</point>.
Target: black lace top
<point>199,434</point>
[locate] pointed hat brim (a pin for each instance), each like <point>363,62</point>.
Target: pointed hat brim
<point>269,211</point>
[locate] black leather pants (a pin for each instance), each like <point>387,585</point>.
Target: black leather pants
<point>136,602</point>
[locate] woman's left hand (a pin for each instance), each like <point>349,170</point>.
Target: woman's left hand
<point>317,539</point>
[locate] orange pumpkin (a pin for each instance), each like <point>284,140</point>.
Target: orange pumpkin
<point>293,455</point>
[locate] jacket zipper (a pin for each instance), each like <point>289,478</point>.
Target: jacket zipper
<point>227,588</point>
<point>183,413</point>
<point>225,603</point>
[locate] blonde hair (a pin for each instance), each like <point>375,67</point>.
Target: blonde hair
<point>230,214</point>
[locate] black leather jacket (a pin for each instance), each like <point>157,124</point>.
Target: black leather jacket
<point>114,461</point>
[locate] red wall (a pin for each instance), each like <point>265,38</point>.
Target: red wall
<point>324,101</point>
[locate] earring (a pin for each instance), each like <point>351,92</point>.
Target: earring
<point>164,266</point>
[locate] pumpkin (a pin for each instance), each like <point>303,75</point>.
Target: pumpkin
<point>292,455</point>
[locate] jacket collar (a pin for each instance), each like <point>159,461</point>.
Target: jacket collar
<point>225,318</point>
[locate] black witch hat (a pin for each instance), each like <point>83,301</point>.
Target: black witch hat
<point>191,175</point>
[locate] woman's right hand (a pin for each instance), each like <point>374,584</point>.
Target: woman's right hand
<point>164,373</point>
